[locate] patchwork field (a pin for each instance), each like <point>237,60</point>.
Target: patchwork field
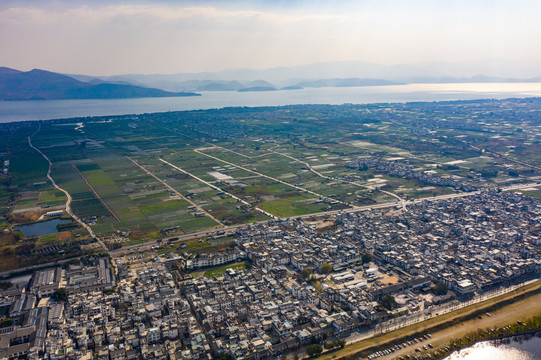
<point>140,177</point>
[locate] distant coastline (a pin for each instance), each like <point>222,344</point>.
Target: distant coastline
<point>13,111</point>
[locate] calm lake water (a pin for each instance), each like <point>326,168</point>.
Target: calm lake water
<point>55,109</point>
<point>526,349</point>
<point>41,228</point>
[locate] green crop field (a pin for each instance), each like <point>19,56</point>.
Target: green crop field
<point>220,271</point>
<point>287,161</point>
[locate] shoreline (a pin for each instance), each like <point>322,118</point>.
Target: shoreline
<point>465,343</point>
<point>45,110</point>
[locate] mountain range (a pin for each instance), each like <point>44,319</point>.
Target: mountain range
<point>339,73</point>
<point>45,85</point>
<point>40,84</point>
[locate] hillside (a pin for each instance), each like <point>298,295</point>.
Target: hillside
<point>45,85</point>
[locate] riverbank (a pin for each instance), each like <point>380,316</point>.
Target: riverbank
<point>522,303</point>
<point>523,347</point>
<point>528,327</point>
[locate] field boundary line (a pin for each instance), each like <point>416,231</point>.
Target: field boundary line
<point>148,172</point>
<point>275,179</point>
<point>96,194</point>
<point>68,196</point>
<point>221,190</point>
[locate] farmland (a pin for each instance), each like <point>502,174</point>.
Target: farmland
<point>140,177</point>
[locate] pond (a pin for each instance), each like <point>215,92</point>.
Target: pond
<point>41,228</point>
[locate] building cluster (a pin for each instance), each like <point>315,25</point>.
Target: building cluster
<point>409,172</point>
<point>305,281</point>
<point>471,243</point>
<point>31,325</point>
<point>255,313</point>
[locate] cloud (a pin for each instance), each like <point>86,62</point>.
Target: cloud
<point>150,37</point>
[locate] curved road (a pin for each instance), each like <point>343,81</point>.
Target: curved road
<point>68,196</point>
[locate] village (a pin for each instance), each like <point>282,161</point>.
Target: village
<point>280,286</point>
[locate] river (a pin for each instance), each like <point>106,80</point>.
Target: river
<point>55,109</point>
<point>525,348</point>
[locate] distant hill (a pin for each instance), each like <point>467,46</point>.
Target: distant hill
<point>257,88</point>
<point>318,74</point>
<point>205,85</point>
<point>350,82</point>
<point>45,85</point>
<point>292,87</point>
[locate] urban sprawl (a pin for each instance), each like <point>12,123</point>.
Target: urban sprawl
<point>301,279</point>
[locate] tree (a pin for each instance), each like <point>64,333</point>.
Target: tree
<point>314,350</point>
<point>489,173</point>
<point>306,273</point>
<point>366,258</point>
<point>326,268</point>
<point>440,289</point>
<point>61,294</point>
<point>224,356</point>
<point>334,344</point>
<point>513,173</point>
<point>389,302</point>
<point>4,285</point>
<point>25,248</point>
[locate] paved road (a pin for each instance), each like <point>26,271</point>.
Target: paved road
<point>271,178</point>
<point>210,232</point>
<point>14,272</point>
<point>175,191</point>
<point>233,228</point>
<point>498,155</point>
<point>217,188</point>
<point>401,200</point>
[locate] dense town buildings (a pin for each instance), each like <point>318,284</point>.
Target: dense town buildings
<point>306,279</point>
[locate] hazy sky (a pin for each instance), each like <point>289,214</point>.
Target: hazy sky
<point>105,37</point>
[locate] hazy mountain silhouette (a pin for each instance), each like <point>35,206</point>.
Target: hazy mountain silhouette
<point>339,73</point>
<point>45,85</point>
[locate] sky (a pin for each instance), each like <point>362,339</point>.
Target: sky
<point>149,37</point>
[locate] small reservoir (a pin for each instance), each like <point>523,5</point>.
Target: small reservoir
<point>41,228</point>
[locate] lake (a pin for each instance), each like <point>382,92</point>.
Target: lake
<point>56,109</point>
<point>528,348</point>
<point>41,228</point>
